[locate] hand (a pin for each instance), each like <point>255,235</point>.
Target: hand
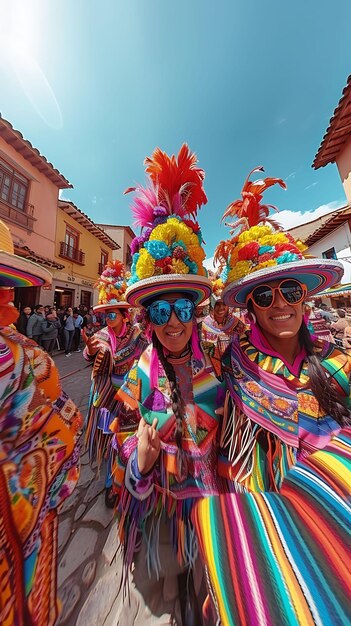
<point>149,445</point>
<point>92,343</point>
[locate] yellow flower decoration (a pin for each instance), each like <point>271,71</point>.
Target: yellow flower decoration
<point>179,267</point>
<point>269,263</point>
<point>254,233</point>
<point>240,269</point>
<point>145,266</point>
<point>173,230</point>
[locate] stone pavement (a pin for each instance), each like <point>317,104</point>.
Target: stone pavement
<point>88,568</point>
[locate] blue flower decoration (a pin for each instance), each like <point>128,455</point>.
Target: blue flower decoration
<point>158,249</point>
<point>264,249</point>
<point>287,257</point>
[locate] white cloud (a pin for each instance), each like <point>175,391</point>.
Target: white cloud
<point>63,196</point>
<point>311,185</point>
<point>290,219</point>
<point>291,175</point>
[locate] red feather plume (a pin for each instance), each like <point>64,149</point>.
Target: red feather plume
<point>249,209</point>
<point>178,181</point>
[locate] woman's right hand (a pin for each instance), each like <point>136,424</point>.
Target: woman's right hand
<point>149,445</point>
<point>92,343</point>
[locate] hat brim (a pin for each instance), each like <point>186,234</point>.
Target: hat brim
<point>197,287</point>
<point>316,274</point>
<point>116,305</point>
<point>16,271</point>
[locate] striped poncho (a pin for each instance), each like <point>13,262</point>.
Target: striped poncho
<point>164,493</point>
<point>276,418</point>
<point>283,558</point>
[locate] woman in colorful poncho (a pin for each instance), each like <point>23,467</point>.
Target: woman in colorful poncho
<point>290,395</point>
<point>39,456</point>
<point>113,350</point>
<point>171,460</point>
<point>220,325</point>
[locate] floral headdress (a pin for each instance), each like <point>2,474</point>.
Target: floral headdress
<point>260,249</point>
<point>169,249</point>
<point>112,286</point>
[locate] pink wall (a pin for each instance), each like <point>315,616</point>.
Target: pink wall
<point>344,166</point>
<point>43,194</point>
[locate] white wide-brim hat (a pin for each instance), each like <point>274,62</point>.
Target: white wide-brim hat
<point>144,291</point>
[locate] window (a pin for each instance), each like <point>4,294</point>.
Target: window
<point>71,241</point>
<point>103,261</point>
<point>13,186</point>
<point>329,254</point>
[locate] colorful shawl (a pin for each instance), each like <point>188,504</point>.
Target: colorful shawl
<point>283,558</point>
<point>107,377</point>
<point>171,496</point>
<point>39,460</point>
<point>276,418</point>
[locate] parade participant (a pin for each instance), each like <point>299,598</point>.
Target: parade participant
<point>171,460</point>
<point>220,323</point>
<point>287,440</point>
<point>113,350</point>
<point>289,389</point>
<point>39,456</point>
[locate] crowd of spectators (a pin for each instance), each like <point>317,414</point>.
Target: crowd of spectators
<point>56,328</point>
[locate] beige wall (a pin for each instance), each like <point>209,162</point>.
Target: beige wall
<point>344,166</point>
<point>43,194</point>
<point>75,276</point>
<point>122,236</point>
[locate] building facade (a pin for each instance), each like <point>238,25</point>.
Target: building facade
<point>29,189</point>
<point>84,248</point>
<point>123,235</point>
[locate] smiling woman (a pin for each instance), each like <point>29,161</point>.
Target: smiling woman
<point>290,395</point>
<point>171,460</point>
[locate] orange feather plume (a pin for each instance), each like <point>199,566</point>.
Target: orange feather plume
<point>249,209</point>
<point>178,180</point>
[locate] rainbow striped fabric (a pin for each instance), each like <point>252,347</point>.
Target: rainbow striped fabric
<point>284,558</point>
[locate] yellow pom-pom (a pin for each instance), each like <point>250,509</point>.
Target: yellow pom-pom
<point>240,269</point>
<point>179,267</point>
<point>145,266</point>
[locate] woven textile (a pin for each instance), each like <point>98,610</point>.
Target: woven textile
<point>277,418</point>
<point>107,377</point>
<point>39,457</point>
<point>283,558</point>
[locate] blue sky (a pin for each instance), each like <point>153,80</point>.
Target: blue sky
<point>95,86</point>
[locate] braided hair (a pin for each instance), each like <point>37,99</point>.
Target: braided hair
<point>321,386</point>
<point>178,407</point>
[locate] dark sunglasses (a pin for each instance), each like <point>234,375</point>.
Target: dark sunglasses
<point>160,311</point>
<point>290,290</point>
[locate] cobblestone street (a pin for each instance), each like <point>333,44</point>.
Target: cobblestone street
<point>88,566</point>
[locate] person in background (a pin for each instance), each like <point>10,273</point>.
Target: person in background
<point>39,456</point>
<point>46,309</point>
<point>22,321</point>
<point>78,323</point>
<point>68,330</point>
<point>50,329</point>
<point>112,350</point>
<point>337,328</point>
<point>34,325</point>
<point>220,324</point>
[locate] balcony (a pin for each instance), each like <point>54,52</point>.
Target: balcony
<point>67,252</point>
<point>21,217</point>
<point>100,268</point>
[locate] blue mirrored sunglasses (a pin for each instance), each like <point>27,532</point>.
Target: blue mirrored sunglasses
<point>111,315</point>
<point>160,311</point>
